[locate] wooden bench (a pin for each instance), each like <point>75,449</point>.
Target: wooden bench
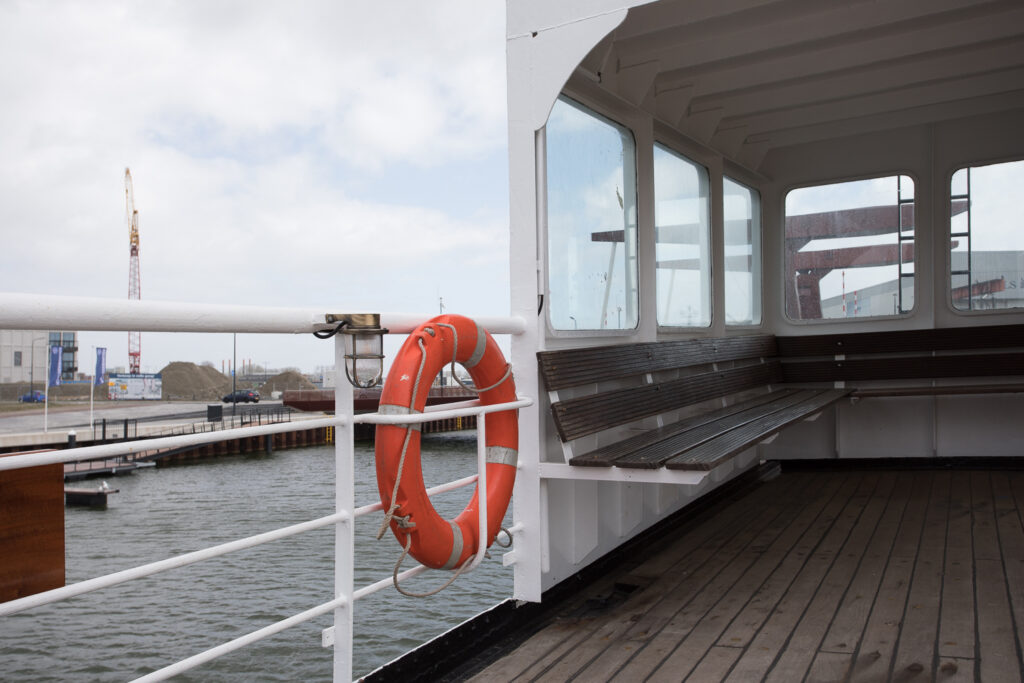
<point>973,360</point>
<point>621,386</point>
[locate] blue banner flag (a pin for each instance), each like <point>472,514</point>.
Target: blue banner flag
<point>56,364</point>
<point>101,365</point>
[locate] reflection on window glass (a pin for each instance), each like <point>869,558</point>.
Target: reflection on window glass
<point>850,249</point>
<point>742,215</point>
<point>986,242</point>
<point>591,172</point>
<point>682,227</point>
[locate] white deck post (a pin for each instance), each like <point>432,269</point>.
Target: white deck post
<point>344,535</point>
<point>541,56</point>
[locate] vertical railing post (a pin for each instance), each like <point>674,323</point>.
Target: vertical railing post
<point>344,536</point>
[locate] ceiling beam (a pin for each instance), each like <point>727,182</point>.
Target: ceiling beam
<point>877,79</point>
<point>842,22</point>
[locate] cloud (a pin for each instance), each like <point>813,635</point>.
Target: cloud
<point>282,154</point>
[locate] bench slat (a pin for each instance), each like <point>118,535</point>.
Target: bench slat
<point>658,454</point>
<point>574,367</point>
<point>943,390</point>
<point>590,414</point>
<point>941,339</point>
<point>606,455</point>
<point>916,367</point>
<point>712,453</point>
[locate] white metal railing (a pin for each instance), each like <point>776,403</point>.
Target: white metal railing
<point>19,311</point>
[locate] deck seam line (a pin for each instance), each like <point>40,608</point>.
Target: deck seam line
<point>974,594</point>
<point>1006,575</point>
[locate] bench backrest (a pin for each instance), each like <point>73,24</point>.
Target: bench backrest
<point>576,417</point>
<point>912,354</point>
<point>575,367</point>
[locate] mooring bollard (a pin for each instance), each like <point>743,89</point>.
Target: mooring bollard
<point>72,438</point>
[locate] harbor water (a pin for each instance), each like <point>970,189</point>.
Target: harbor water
<point>123,632</point>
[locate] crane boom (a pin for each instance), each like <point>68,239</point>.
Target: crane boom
<point>134,284</point>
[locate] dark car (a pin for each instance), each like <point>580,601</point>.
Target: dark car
<point>32,397</point>
<point>242,396</point>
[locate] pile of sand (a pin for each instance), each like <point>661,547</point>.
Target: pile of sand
<point>289,380</point>
<point>191,382</point>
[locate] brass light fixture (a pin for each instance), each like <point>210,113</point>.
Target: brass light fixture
<point>364,366</point>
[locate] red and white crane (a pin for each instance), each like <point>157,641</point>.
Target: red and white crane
<point>134,286</point>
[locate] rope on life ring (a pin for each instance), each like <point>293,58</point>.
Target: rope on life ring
<point>432,540</point>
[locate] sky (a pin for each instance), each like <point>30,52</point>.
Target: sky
<point>345,155</point>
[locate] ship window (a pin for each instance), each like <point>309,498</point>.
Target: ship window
<point>591,201</point>
<point>742,215</point>
<point>986,243</point>
<point>683,235</point>
<point>850,249</point>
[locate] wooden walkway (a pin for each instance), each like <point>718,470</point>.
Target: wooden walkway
<point>814,576</point>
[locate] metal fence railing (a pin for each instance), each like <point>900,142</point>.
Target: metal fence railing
<point>22,311</point>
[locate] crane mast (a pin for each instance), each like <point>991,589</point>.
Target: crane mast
<point>134,285</point>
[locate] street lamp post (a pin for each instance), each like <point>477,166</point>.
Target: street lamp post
<point>32,367</point>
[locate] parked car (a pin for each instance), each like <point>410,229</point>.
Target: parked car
<point>32,397</point>
<point>242,396</point>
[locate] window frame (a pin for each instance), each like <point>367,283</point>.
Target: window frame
<point>737,179</point>
<point>629,122</point>
<point>783,270</point>
<point>947,216</point>
<point>671,148</point>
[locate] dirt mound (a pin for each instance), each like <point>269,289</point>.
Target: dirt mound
<point>289,380</point>
<point>188,381</point>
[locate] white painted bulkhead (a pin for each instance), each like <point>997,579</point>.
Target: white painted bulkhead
<point>584,519</point>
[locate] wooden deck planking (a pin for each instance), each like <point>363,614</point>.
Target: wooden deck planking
<point>1008,493</point>
<point>956,634</point>
<point>827,576</point>
<point>915,651</point>
<point>696,546</point>
<point>711,627</point>
<point>646,661</point>
<point>676,612</point>
<point>851,618</point>
<point>746,625</point>
<point>997,645</point>
<point>874,653</point>
<point>770,642</point>
<point>806,638</point>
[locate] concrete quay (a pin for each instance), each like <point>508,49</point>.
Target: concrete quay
<point>69,427</point>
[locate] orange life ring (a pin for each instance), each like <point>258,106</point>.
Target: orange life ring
<point>435,541</point>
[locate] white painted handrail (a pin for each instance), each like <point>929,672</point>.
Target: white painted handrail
<point>47,312</point>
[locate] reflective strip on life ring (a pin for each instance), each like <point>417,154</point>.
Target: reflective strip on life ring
<point>436,542</point>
